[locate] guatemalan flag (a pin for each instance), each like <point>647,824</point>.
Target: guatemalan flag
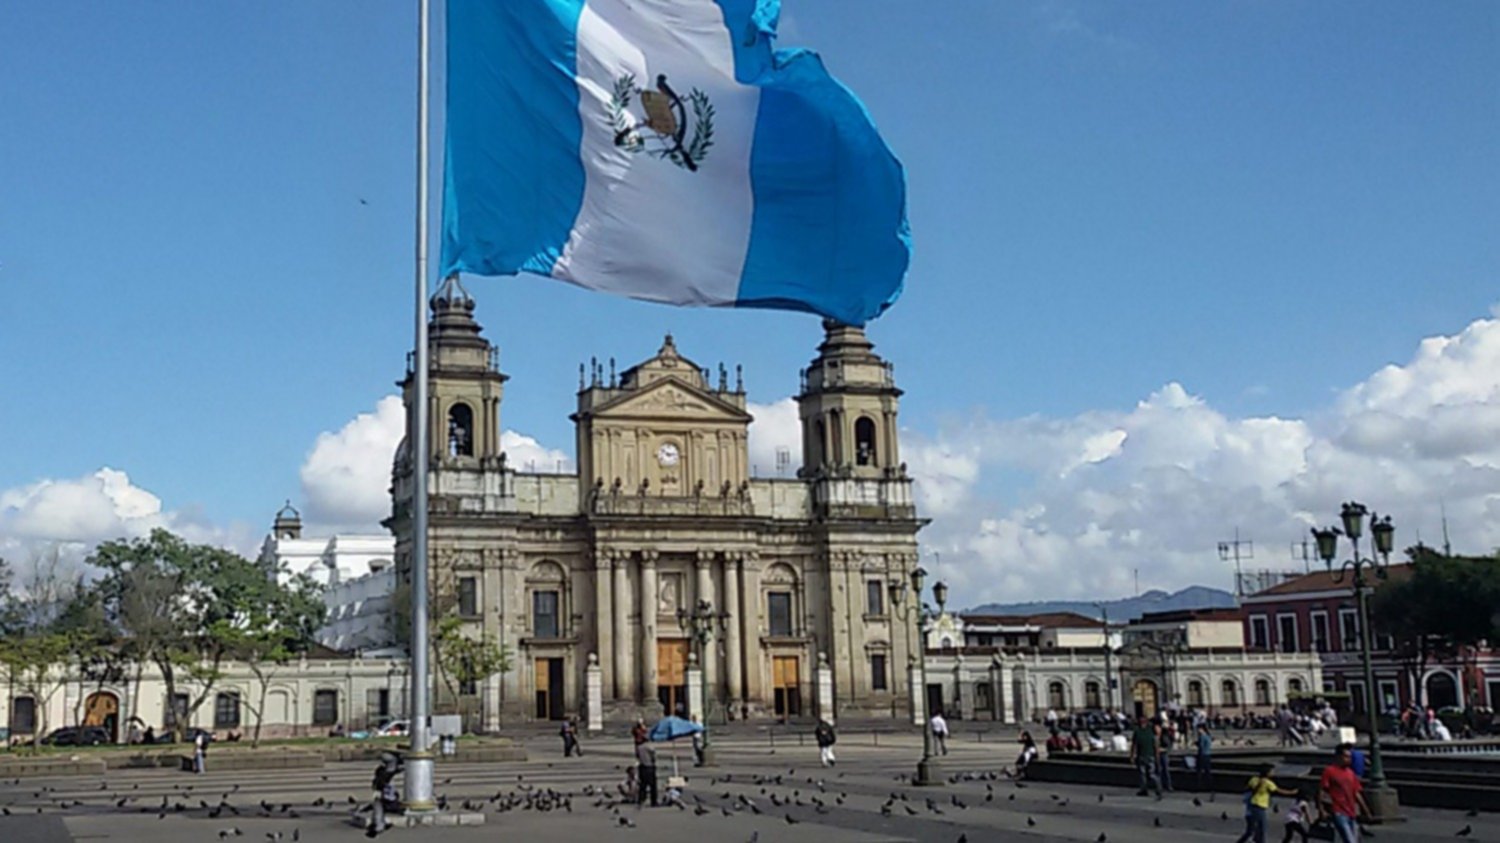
<point>663,150</point>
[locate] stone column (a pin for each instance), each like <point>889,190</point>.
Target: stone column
<point>755,668</point>
<point>648,625</point>
<point>962,698</point>
<point>918,693</point>
<point>594,685</point>
<point>695,699</point>
<point>604,620</point>
<point>825,689</point>
<point>1006,696</point>
<point>733,666</point>
<point>705,589</point>
<point>624,677</point>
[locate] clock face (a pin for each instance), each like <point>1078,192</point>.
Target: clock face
<point>667,454</point>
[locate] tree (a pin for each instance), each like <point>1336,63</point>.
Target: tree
<point>464,661</point>
<point>1442,612</point>
<point>40,634</point>
<point>282,627</point>
<point>36,665</point>
<point>176,603</point>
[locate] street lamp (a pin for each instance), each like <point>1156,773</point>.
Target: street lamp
<point>700,624</point>
<point>1382,799</point>
<point>1109,670</point>
<point>928,773</point>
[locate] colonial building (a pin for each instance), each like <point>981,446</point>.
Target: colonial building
<point>328,560</point>
<point>663,520</point>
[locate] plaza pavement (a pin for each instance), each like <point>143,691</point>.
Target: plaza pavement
<point>853,793</point>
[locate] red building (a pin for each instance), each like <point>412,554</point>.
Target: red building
<point>1314,614</point>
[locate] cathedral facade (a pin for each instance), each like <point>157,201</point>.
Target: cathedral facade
<point>662,522</point>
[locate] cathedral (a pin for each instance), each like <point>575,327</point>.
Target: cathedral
<point>663,551</point>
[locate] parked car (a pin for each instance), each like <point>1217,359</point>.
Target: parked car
<point>394,729</point>
<point>77,736</point>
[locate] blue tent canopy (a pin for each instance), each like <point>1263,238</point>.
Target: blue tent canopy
<point>672,728</point>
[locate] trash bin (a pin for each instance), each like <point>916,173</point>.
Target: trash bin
<point>448,746</point>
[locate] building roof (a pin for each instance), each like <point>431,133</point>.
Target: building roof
<point>1046,620</point>
<point>1182,615</point>
<point>1324,581</point>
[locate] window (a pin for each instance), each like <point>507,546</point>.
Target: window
<point>874,597</point>
<point>1262,692</point>
<point>1320,631</point>
<point>468,687</point>
<point>1056,696</point>
<point>23,715</point>
<point>544,614</point>
<point>468,597</point>
<point>460,431</point>
<point>1230,692</point>
<point>1389,698</point>
<point>325,708</point>
<point>779,606</point>
<point>377,704</point>
<point>1383,642</point>
<point>1293,686</point>
<point>1195,694</point>
<point>878,680</point>
<point>227,710</point>
<point>1357,699</point>
<point>1091,694</point>
<point>177,712</point>
<point>1259,633</point>
<point>1286,633</point>
<point>864,441</point>
<point>1348,630</point>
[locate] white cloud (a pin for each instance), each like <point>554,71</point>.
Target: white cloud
<point>777,426</point>
<point>72,515</point>
<point>1154,488</point>
<point>346,477</point>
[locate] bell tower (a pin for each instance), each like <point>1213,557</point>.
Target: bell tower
<point>466,384</point>
<point>848,407</point>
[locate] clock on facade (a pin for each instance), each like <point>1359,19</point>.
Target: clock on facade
<point>667,454</point>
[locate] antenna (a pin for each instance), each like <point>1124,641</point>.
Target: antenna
<point>1303,552</point>
<point>783,460</point>
<point>1443,508</point>
<point>1238,550</point>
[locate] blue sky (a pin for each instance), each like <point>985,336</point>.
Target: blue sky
<point>206,211</point>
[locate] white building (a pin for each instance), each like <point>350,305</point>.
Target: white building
<point>327,560</point>
<point>359,615</point>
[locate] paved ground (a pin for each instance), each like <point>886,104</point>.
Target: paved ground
<point>782,783</point>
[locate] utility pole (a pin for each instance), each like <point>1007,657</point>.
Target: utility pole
<point>1109,670</point>
<point>1237,550</point>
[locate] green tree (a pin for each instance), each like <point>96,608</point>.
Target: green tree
<point>282,626</point>
<point>1442,612</point>
<point>182,608</point>
<point>465,661</point>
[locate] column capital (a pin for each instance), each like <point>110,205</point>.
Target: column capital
<point>706,558</point>
<point>649,557</point>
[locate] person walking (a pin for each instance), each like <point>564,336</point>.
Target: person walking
<point>200,751</point>
<point>939,728</point>
<point>638,732</point>
<point>1258,793</point>
<point>700,741</point>
<point>1299,821</point>
<point>1203,763</point>
<point>1341,794</point>
<point>826,738</point>
<point>1143,751</point>
<point>645,758</point>
<point>1166,740</point>
<point>570,738</point>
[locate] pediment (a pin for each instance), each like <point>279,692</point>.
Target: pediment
<point>670,398</point>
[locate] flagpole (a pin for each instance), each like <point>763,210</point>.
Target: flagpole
<point>418,780</point>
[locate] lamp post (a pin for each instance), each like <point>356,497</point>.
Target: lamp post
<point>928,772</point>
<point>1381,797</point>
<point>1109,670</point>
<point>700,624</point>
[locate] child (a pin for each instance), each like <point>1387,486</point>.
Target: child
<point>1258,792</point>
<point>630,789</point>
<point>1298,821</point>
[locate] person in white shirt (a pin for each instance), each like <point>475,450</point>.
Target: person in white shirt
<point>1118,742</point>
<point>939,728</point>
<point>1440,731</point>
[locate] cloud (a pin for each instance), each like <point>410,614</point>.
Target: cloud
<point>72,515</point>
<point>777,428</point>
<point>346,477</point>
<point>1075,506</point>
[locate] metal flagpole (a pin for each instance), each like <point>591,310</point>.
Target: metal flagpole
<point>418,781</point>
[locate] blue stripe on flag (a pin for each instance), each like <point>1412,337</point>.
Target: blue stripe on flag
<point>829,232</point>
<point>512,112</point>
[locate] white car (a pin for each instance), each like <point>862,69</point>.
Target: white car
<point>394,729</point>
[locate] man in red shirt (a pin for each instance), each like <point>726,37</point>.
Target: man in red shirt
<point>1340,792</point>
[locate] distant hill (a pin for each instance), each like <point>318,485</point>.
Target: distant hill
<point>1130,608</point>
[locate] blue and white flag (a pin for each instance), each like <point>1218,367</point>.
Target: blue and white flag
<point>663,150</point>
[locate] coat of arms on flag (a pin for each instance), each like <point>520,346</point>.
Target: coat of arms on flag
<point>666,116</point>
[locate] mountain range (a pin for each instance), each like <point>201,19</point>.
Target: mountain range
<point>1126,609</point>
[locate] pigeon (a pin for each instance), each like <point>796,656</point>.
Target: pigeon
<point>1156,821</point>
<point>1465,831</point>
<point>1101,838</point>
<point>1030,823</point>
<point>1197,803</point>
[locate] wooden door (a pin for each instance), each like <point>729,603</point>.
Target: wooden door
<point>1144,695</point>
<point>103,709</point>
<point>786,682</point>
<point>671,676</point>
<point>549,689</point>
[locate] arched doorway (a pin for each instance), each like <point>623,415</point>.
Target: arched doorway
<point>103,709</point>
<point>1442,691</point>
<point>1143,692</point>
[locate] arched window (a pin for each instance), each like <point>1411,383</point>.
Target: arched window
<point>1056,696</point>
<point>1229,692</point>
<point>1293,686</point>
<point>864,441</point>
<point>1262,692</point>
<point>460,430</point>
<point>821,457</point>
<point>1195,693</point>
<point>1091,695</point>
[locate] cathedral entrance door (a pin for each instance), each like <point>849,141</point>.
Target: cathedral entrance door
<point>103,709</point>
<point>671,676</point>
<point>786,686</point>
<point>549,689</point>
